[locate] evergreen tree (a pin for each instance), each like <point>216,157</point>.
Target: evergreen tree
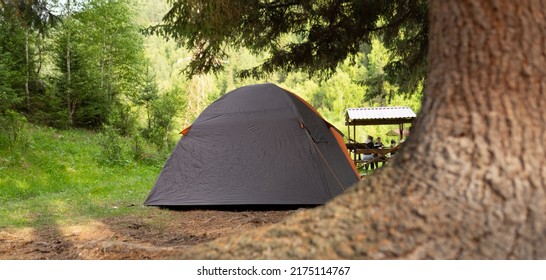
<point>326,33</point>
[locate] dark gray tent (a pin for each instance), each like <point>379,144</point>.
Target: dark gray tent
<point>256,145</point>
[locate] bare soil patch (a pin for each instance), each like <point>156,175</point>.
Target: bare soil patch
<point>151,237</point>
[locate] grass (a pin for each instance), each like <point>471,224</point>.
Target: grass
<point>60,180</point>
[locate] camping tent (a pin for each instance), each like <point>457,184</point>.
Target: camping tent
<point>256,145</point>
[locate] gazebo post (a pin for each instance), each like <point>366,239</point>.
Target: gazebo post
<point>354,135</point>
<point>378,116</point>
<point>349,134</point>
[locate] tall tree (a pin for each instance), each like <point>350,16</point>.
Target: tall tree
<point>114,38</point>
<point>71,102</point>
<point>165,109</point>
<point>471,179</point>
<point>148,95</point>
<point>12,70</point>
<point>102,57</point>
<point>327,32</point>
<point>33,16</point>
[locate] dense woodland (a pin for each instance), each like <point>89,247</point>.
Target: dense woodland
<point>94,65</point>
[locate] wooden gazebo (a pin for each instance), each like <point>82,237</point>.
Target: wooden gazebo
<point>378,116</point>
<point>375,116</point>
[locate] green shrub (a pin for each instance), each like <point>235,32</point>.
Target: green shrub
<point>112,152</point>
<point>146,152</point>
<point>138,147</point>
<point>13,135</point>
<point>13,125</point>
<point>154,135</point>
<point>124,120</point>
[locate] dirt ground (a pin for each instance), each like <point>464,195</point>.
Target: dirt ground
<point>152,237</point>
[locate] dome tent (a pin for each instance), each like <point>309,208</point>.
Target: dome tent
<point>256,145</point>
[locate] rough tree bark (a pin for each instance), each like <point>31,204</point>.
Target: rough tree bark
<point>470,182</point>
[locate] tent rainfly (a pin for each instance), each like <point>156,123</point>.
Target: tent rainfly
<point>256,145</point>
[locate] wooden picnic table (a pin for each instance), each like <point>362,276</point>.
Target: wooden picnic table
<point>380,155</point>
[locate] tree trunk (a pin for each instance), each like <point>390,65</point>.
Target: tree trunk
<point>167,135</point>
<point>149,114</point>
<point>40,53</point>
<point>102,60</point>
<point>111,75</point>
<point>70,102</point>
<point>470,182</point>
<point>27,62</point>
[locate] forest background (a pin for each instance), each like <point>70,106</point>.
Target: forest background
<point>86,64</point>
<point>90,107</point>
